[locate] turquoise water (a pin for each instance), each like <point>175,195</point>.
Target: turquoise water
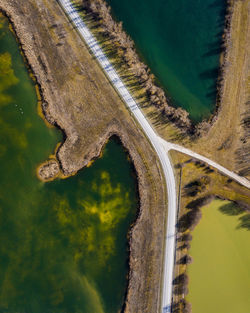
<point>180,42</point>
<point>63,243</point>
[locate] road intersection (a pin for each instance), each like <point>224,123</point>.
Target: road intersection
<point>161,147</point>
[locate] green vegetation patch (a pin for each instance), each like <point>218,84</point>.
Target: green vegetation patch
<point>7,77</point>
<point>219,277</point>
<point>63,243</point>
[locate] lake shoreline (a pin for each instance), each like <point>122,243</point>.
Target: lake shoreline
<point>140,257</point>
<point>138,268</point>
<point>101,13</point>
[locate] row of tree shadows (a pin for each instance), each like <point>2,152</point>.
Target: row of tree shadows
<point>190,219</point>
<point>193,215</point>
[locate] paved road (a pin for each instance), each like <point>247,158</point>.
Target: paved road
<point>171,146</point>
<point>161,147</point>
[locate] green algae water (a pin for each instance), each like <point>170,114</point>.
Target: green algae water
<point>180,41</point>
<point>219,277</point>
<point>63,243</point>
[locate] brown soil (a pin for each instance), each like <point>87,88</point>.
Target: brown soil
<point>77,97</point>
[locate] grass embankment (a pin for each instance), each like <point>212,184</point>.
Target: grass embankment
<point>199,185</point>
<point>78,98</point>
<point>219,275</point>
<point>227,142</point>
<point>115,53</point>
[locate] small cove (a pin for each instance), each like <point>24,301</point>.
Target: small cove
<point>63,243</point>
<point>180,42</point>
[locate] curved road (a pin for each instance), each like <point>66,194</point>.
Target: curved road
<point>161,147</point>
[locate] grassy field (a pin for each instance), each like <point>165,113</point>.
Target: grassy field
<point>219,277</point>
<point>198,182</point>
<point>215,183</point>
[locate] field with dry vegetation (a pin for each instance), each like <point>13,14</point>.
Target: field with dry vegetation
<point>199,184</point>
<point>77,97</point>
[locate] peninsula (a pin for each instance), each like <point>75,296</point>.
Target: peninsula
<point>82,93</point>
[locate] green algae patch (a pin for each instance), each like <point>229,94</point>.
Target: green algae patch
<point>63,243</point>
<point>219,275</point>
<point>7,78</point>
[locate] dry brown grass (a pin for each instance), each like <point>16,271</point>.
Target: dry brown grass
<point>82,102</point>
<point>224,138</point>
<point>77,96</point>
<point>217,185</point>
<point>112,49</point>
